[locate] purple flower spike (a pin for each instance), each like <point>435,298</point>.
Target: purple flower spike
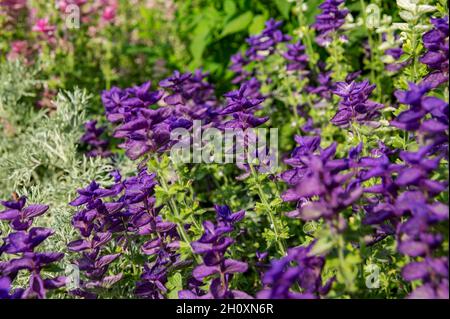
<point>437,56</point>
<point>296,57</point>
<point>329,21</point>
<point>96,145</point>
<point>355,104</point>
<point>264,44</point>
<point>212,246</point>
<point>21,243</point>
<point>298,267</point>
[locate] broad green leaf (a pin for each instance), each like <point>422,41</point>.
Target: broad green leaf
<point>229,7</point>
<point>283,6</point>
<point>257,24</point>
<point>238,24</point>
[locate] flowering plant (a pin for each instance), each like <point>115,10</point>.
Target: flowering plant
<point>355,108</point>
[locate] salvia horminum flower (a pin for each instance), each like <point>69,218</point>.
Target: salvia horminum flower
<point>21,243</point>
<point>295,276</point>
<point>92,138</point>
<point>323,86</point>
<point>417,239</point>
<point>355,104</point>
<point>405,206</point>
<point>436,58</point>
<point>216,266</point>
<point>144,129</point>
<point>190,95</point>
<point>427,115</point>
<point>242,104</point>
<point>128,215</point>
<point>96,224</point>
<point>296,57</point>
<point>395,53</point>
<point>163,242</point>
<point>329,21</point>
<point>264,44</point>
<point>321,185</point>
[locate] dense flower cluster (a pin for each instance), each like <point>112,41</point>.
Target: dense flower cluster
<point>264,44</point>
<point>300,268</point>
<point>367,176</point>
<point>436,58</point>
<point>329,21</point>
<point>213,246</point>
<point>23,241</point>
<point>321,176</point>
<point>145,129</point>
<point>164,243</point>
<point>428,115</point>
<point>355,104</point>
<point>129,215</point>
<point>96,225</point>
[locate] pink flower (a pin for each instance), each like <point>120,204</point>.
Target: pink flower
<point>109,13</point>
<point>18,49</point>
<point>13,4</point>
<point>43,26</point>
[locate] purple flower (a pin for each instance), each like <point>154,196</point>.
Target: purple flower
<point>355,104</point>
<point>97,223</point>
<point>145,129</point>
<point>300,267</point>
<point>264,44</point>
<point>96,145</point>
<point>416,239</point>
<point>396,53</point>
<point>122,215</point>
<point>436,58</point>
<point>296,56</point>
<point>21,243</point>
<point>324,85</point>
<point>212,246</point>
<point>427,114</point>
<point>322,177</point>
<point>241,100</point>
<point>21,217</point>
<point>329,21</point>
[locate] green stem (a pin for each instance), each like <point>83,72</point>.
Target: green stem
<point>374,78</point>
<point>341,248</point>
<point>293,101</point>
<point>174,208</point>
<point>262,196</point>
<point>307,39</point>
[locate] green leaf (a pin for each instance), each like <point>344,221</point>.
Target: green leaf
<point>174,284</point>
<point>238,24</point>
<point>257,24</point>
<point>229,7</point>
<point>283,6</point>
<point>200,40</point>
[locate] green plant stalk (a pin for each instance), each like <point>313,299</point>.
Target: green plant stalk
<point>307,39</point>
<point>341,247</point>
<point>292,100</point>
<point>374,78</point>
<point>174,208</point>
<point>335,65</point>
<point>262,196</point>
